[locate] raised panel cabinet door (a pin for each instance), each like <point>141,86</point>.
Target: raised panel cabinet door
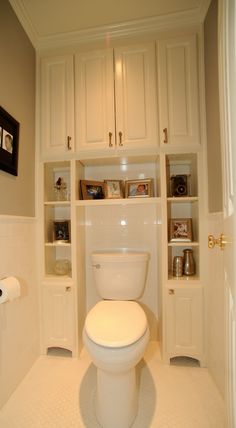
<point>178,91</point>
<point>95,121</point>
<point>57,105</point>
<point>135,93</point>
<point>184,314</point>
<point>58,316</point>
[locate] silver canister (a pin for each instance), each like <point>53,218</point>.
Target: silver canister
<point>178,265</point>
<point>189,264</point>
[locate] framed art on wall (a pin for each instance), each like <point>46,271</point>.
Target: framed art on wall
<point>9,141</point>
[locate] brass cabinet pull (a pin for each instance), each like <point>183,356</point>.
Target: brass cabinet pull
<point>110,137</point>
<point>171,291</point>
<point>69,142</point>
<point>120,139</point>
<point>219,242</point>
<point>68,289</point>
<point>165,141</point>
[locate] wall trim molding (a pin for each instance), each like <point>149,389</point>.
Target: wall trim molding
<point>114,31</point>
<point>4,218</point>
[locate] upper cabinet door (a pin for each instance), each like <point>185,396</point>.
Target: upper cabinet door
<point>57,105</point>
<point>95,122</point>
<point>116,108</point>
<point>135,93</point>
<point>178,91</point>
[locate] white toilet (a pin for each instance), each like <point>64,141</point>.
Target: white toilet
<point>116,334</point>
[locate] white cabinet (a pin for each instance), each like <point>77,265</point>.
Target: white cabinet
<point>95,115</point>
<point>58,316</point>
<point>178,91</point>
<point>184,321</point>
<point>183,294</point>
<point>57,105</point>
<point>116,99</point>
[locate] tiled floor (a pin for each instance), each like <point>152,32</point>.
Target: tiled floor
<point>58,393</point>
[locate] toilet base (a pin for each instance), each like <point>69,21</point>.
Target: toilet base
<point>116,398</point>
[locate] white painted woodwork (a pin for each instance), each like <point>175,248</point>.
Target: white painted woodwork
<point>58,315</point>
<point>95,116</point>
<point>184,321</point>
<point>124,109</point>
<point>115,92</point>
<point>178,91</point>
<point>135,93</point>
<point>57,105</point>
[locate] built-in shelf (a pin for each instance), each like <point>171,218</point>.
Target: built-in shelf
<point>182,281</point>
<point>57,244</point>
<point>57,203</point>
<point>182,199</point>
<point>54,277</point>
<point>183,244</point>
<point>122,201</point>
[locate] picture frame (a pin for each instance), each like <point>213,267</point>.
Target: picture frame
<point>139,188</point>
<point>9,142</point>
<point>61,231</point>
<point>92,189</point>
<point>180,185</point>
<point>180,230</point>
<point>114,189</point>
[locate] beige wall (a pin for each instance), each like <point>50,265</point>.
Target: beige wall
<point>17,96</point>
<point>212,111</point>
<point>19,324</point>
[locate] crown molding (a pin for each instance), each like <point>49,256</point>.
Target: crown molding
<point>113,31</point>
<point>25,21</point>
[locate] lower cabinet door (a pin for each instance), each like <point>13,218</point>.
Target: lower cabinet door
<point>58,316</point>
<point>184,322</point>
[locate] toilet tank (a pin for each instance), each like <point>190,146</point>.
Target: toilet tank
<point>120,275</point>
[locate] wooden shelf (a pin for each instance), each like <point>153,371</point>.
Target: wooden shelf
<point>183,244</point>
<point>57,244</point>
<point>57,203</point>
<point>182,199</point>
<point>122,201</point>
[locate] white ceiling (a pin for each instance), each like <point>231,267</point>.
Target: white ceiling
<point>50,18</point>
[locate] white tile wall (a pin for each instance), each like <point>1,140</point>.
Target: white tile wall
<point>134,227</point>
<point>19,336</point>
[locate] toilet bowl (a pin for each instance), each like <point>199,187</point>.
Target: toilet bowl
<point>115,335</point>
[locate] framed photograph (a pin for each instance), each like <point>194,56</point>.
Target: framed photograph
<point>181,230</point>
<point>113,189</point>
<point>61,231</point>
<point>139,188</point>
<point>9,141</point>
<point>92,189</point>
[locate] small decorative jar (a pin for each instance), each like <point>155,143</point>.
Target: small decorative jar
<point>61,189</point>
<point>189,265</point>
<point>178,263</point>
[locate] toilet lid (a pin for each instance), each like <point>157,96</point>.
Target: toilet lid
<point>115,323</point>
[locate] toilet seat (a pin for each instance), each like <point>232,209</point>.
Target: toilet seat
<point>115,323</point>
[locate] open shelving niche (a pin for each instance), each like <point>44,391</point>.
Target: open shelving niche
<point>56,209</point>
<point>132,168</point>
<point>73,171</point>
<point>183,207</point>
